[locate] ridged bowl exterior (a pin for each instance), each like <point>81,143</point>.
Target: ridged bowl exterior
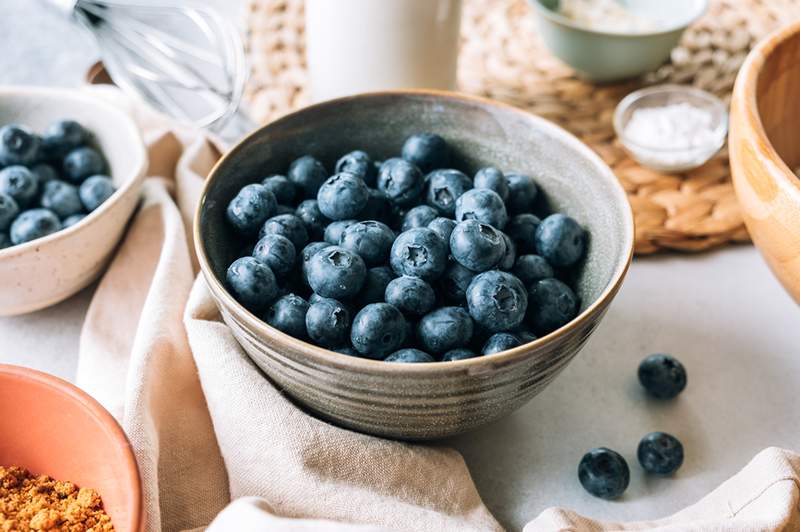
<point>422,401</point>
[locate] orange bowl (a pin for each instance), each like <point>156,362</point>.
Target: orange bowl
<point>51,427</point>
<point>764,147</point>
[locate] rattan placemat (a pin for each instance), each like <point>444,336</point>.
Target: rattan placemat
<point>502,58</point>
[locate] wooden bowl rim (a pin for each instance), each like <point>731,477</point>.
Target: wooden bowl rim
<point>332,359</point>
<point>745,99</point>
<point>97,412</point>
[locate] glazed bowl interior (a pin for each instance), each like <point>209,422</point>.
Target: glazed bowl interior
<point>50,427</point>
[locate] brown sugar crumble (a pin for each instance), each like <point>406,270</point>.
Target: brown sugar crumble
<point>29,502</point>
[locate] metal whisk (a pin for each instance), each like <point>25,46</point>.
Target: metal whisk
<point>183,59</point>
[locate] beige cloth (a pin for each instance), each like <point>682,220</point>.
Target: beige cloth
<point>207,427</point>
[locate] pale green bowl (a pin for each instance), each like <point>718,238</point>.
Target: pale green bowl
<point>608,56</point>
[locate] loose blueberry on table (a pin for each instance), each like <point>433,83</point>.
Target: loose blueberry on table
<point>660,453</point>
<point>49,182</point>
<point>663,376</point>
<point>604,473</point>
<point>410,260</point>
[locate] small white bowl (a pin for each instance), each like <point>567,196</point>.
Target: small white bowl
<point>46,271</point>
<point>670,159</point>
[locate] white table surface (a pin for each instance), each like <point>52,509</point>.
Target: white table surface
<point>721,313</point>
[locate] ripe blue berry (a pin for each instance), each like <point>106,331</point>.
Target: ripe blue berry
<point>522,192</point>
<point>328,323</point>
<point>288,314</point>
<point>335,272</point>
<point>660,453</point>
<point>663,376</point>
<point>420,253</point>
<point>250,208</point>
<point>604,473</point>
<point>482,205</point>
<point>552,304</point>
<point>370,239</point>
<point>61,198</point>
<point>499,342</point>
<point>477,246</point>
<point>359,164</point>
<point>33,224</point>
<point>62,137</point>
<point>315,221</point>
<point>44,172</point>
<point>419,216</point>
<point>378,329</point>
<point>492,179</point>
<point>409,355</point>
<point>510,256</point>
<point>458,354</point>
<point>307,174</point>
<point>444,329</point>
<point>443,189</point>
<point>95,190</point>
<point>8,211</point>
<point>497,300</point>
<point>531,268</point>
<point>411,295</point>
<point>19,183</point>
<point>18,145</point>
<point>443,227</point>
<point>288,225</point>
<point>400,181</point>
<point>522,230</point>
<point>82,163</point>
<point>283,189</point>
<point>69,221</point>
<point>342,196</point>
<point>335,230</point>
<point>560,240</point>
<point>252,282</point>
<point>426,150</point>
<point>277,252</point>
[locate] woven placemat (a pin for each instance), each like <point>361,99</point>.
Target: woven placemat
<point>502,58</point>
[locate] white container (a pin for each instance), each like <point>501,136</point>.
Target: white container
<point>355,46</point>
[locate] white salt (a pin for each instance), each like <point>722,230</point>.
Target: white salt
<point>605,15</point>
<point>678,126</point>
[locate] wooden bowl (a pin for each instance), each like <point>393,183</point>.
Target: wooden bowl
<point>764,148</point>
<point>51,427</point>
<point>46,271</point>
<point>421,401</point>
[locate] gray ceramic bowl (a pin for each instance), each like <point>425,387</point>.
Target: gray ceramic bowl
<point>421,401</point>
<point>608,56</point>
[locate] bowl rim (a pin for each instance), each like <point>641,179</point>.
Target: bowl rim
<point>632,98</point>
<point>337,360</point>
<point>744,102</point>
<point>97,412</point>
<point>130,180</point>
<point>545,12</point>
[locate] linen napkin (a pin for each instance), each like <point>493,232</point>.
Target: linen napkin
<point>208,428</point>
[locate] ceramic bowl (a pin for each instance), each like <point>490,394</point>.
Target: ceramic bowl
<point>420,401</point>
<point>765,150</point>
<point>46,271</point>
<point>50,427</point>
<point>608,56</point>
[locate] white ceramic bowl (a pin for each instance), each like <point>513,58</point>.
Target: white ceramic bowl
<point>43,272</point>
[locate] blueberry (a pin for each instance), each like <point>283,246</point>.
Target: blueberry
<point>444,188</point>
<point>61,198</point>
<point>347,350</point>
<point>663,376</point>
<point>483,205</point>
<point>400,180</point>
<point>335,230</point>
<point>82,163</point>
<point>531,268</point>
<point>328,323</point>
<point>69,221</point>
<point>44,172</point>
<point>525,336</point>
<point>411,295</point>
<point>277,252</point>
<point>19,183</point>
<point>62,137</point>
<point>660,453</point>
<point>522,192</point>
<point>378,207</point>
<point>335,272</point>
<point>252,283</point>
<point>308,252</point>
<point>443,227</point>
<point>342,196</point>
<point>491,178</point>
<point>560,240</point>
<point>420,253</point>
<point>315,221</point>
<point>307,174</point>
<point>283,189</point>
<point>552,304</point>
<point>288,314</point>
<point>426,150</point>
<point>95,191</point>
<point>5,241</point>
<point>497,300</point>
<point>419,216</point>
<point>604,473</point>
<point>477,246</point>
<point>510,255</point>
<point>288,225</point>
<point>375,285</point>
<point>454,283</point>
<point>499,342</point>
<point>378,329</point>
<point>522,230</point>
<point>409,355</point>
<point>444,329</point>
<point>18,145</point>
<point>8,211</point>
<point>359,164</point>
<point>370,239</point>
<point>458,354</point>
<point>33,224</point>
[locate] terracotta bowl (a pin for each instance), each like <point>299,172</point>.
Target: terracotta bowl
<point>50,427</point>
<point>764,148</point>
<point>46,271</point>
<point>421,401</point>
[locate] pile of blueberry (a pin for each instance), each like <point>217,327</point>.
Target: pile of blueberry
<point>604,473</point>
<point>405,260</point>
<point>48,182</point>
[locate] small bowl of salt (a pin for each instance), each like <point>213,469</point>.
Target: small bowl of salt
<point>671,128</point>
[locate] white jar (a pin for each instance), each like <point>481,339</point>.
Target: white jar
<point>357,46</point>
